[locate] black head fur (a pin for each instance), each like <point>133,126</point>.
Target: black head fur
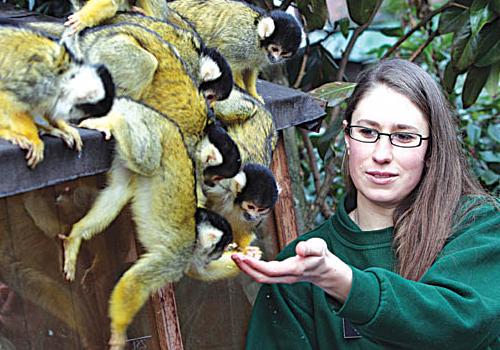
<point>231,158</point>
<point>223,85</point>
<point>102,107</point>
<point>287,33</point>
<point>217,221</point>
<point>261,188</point>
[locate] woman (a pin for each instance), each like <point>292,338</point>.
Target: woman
<point>411,258</point>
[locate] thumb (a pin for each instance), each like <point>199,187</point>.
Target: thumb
<point>311,247</point>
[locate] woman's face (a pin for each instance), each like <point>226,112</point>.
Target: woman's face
<point>382,173</point>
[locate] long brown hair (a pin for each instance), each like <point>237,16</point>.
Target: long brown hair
<point>423,221</point>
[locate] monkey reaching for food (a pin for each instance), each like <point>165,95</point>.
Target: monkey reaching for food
<point>153,170</point>
<point>247,198</point>
<point>247,36</point>
<point>93,12</point>
<point>39,77</point>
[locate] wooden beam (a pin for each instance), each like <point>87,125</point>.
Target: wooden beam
<point>284,211</point>
<point>167,322</point>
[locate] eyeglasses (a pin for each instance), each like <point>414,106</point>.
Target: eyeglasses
<point>399,139</point>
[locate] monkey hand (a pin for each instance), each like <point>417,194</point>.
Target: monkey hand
<point>253,252</point>
<point>67,133</point>
<point>71,245</point>
<point>75,22</point>
<point>117,340</point>
<point>99,124</point>
<point>138,9</point>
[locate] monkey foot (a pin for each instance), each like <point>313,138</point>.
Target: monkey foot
<point>71,247</point>
<point>253,252</point>
<point>99,124</point>
<point>117,341</point>
<point>69,135</point>
<point>34,148</point>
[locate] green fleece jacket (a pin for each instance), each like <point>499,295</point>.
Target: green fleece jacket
<point>455,305</point>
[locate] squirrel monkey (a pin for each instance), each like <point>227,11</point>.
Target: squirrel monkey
<point>247,36</point>
<point>40,77</point>
<point>152,170</point>
<point>93,12</point>
<point>247,198</point>
<point>209,68</point>
<point>148,69</point>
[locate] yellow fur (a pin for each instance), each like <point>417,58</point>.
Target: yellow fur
<point>230,27</point>
<point>152,170</point>
<point>142,62</point>
<point>31,66</point>
<point>94,12</point>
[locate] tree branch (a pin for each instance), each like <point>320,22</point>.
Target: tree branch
<point>420,24</point>
<point>422,47</point>
<point>312,158</point>
<point>350,45</point>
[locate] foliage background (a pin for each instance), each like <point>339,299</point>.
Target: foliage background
<point>455,41</point>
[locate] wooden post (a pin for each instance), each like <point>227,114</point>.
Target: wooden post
<point>167,322</point>
<point>284,211</point>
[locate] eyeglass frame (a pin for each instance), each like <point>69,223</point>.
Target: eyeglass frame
<point>348,132</point>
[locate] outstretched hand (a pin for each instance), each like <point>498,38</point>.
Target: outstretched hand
<point>313,263</point>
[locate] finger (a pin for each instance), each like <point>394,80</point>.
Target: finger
<point>311,247</point>
<point>260,277</point>
<point>287,267</point>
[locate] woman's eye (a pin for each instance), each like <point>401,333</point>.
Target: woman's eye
<point>404,137</point>
<point>368,132</point>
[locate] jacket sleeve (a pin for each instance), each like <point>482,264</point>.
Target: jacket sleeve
<point>456,304</point>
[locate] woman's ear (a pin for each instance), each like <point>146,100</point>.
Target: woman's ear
<point>346,138</point>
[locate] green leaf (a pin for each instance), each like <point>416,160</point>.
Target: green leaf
<point>344,26</point>
<point>474,83</point>
<point>327,140</point>
<point>396,31</point>
<point>473,133</point>
<point>488,51</point>
<point>489,177</point>
<point>494,132</point>
<point>460,50</point>
<point>452,20</point>
<point>361,10</point>
<point>490,156</point>
<point>315,13</point>
<point>480,14</point>
<point>492,82</point>
<point>334,93</point>
<point>450,78</point>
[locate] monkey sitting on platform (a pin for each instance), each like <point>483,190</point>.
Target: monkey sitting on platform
<point>247,36</point>
<point>40,77</point>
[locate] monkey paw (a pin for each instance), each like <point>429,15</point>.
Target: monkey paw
<point>75,23</point>
<point>35,151</point>
<point>71,247</point>
<point>99,124</point>
<point>70,136</point>
<point>253,252</point>
<point>117,341</point>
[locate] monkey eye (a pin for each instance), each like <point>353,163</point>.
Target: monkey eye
<point>210,96</point>
<point>251,206</point>
<point>274,48</point>
<point>286,54</point>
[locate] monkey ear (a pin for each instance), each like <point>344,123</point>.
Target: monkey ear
<point>239,182</point>
<point>209,69</point>
<point>265,28</point>
<point>209,154</point>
